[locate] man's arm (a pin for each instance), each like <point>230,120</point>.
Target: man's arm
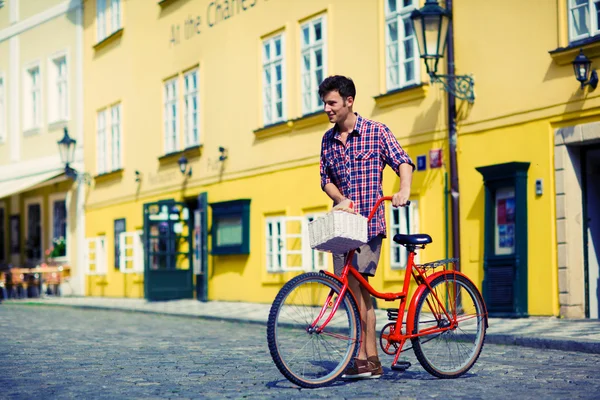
<point>341,202</point>
<point>401,197</point>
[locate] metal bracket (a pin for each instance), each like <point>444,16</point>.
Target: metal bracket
<point>461,86</point>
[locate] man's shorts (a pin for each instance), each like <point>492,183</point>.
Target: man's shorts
<point>364,261</point>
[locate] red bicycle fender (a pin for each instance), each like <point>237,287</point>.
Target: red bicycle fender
<point>337,278</point>
<point>410,317</point>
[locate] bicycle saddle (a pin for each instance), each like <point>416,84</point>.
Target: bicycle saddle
<point>417,239</point>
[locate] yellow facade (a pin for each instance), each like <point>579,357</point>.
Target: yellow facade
<point>523,95</point>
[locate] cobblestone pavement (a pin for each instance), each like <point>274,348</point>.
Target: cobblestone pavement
<point>62,353</point>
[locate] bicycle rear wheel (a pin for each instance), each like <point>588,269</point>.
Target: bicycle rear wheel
<point>452,352</point>
<point>306,358</point>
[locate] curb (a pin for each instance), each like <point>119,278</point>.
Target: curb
<point>583,346</point>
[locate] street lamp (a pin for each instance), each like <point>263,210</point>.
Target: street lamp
<point>431,24</point>
<point>581,67</point>
<point>183,166</point>
<point>66,150</point>
<point>433,29</point>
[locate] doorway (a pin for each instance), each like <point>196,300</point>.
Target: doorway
<point>591,229</point>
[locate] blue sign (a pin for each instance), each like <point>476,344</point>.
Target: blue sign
<point>421,163</point>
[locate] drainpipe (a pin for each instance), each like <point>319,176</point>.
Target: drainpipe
<point>452,136</point>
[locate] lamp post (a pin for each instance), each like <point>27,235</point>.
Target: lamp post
<point>66,149</point>
<point>432,25</point>
<point>582,66</point>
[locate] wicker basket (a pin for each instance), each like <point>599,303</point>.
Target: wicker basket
<point>338,232</point>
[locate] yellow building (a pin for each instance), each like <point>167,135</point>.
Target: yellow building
<point>203,127</point>
<point>41,209</point>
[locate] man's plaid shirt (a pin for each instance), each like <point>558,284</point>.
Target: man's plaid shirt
<point>356,169</point>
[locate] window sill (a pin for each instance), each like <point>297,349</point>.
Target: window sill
<point>58,124</point>
<point>112,38</point>
<point>402,95</point>
<point>279,128</point>
<point>109,176</point>
<point>31,131</point>
<point>566,55</point>
<point>189,153</point>
<point>165,3</point>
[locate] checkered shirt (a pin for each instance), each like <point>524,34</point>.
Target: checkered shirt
<point>357,168</point>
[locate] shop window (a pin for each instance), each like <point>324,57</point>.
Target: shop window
<point>119,228</point>
<point>231,227</point>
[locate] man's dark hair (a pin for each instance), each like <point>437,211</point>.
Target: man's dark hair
<point>343,85</point>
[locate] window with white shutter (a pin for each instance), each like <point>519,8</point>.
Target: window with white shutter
<point>95,256</point>
<point>405,221</point>
<point>131,252</point>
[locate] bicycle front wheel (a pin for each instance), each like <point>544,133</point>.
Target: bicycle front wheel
<point>445,351</point>
<point>305,357</point>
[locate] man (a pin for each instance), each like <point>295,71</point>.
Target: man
<point>353,155</point>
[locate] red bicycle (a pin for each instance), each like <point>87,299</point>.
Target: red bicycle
<point>314,331</point>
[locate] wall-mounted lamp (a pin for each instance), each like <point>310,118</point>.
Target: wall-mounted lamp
<point>183,166</point>
<point>430,25</point>
<point>66,149</point>
<point>582,68</point>
<point>138,176</point>
<point>223,152</point>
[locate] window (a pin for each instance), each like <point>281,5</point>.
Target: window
<point>231,227</point>
<point>58,99</point>
<point>313,60</point>
<point>59,229</point>
<point>119,228</point>
<point>584,19</point>
<point>3,235</point>
<point>318,260</point>
<point>287,245</point>
<point>2,111</point>
<point>191,112</point>
<point>115,15</point>
<point>95,256</point>
<point>33,103</point>
<point>33,248</point>
<point>103,30</point>
<point>101,148</point>
<point>131,252</point>
<point>402,58</point>
<point>273,80</point>
<point>171,116</point>
<point>101,20</point>
<point>405,221</point>
<point>116,137</point>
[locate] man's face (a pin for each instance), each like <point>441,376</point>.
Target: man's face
<point>336,107</point>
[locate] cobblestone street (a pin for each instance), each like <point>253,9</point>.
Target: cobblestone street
<point>59,352</point>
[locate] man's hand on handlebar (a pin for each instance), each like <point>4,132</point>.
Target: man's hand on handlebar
<point>345,205</point>
<point>400,199</point>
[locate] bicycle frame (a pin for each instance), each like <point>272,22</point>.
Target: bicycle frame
<point>411,270</point>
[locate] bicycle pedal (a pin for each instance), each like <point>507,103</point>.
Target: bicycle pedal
<point>401,366</point>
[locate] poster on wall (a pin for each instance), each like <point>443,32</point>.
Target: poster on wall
<point>505,221</point>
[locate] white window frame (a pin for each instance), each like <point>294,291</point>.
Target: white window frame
<point>3,121</point>
<point>592,23</point>
<point>308,77</point>
<point>101,22</point>
<point>95,255</point>
<point>58,88</point>
<point>116,137</point>
<point>131,252</point>
<point>277,251</point>
<point>51,200</point>
<point>191,115</point>
<point>101,143</point>
<point>32,99</point>
<point>408,224</point>
<point>34,200</point>
<point>115,15</point>
<point>171,122</point>
<point>6,229</point>
<point>318,259</point>
<point>399,16</point>
<point>270,62</point>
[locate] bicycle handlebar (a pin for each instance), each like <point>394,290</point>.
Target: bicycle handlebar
<point>378,203</point>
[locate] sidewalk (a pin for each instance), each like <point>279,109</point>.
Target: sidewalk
<point>538,332</point>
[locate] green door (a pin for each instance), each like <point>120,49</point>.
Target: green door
<point>168,250</point>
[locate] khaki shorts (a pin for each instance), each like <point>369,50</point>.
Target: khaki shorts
<point>364,261</point>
